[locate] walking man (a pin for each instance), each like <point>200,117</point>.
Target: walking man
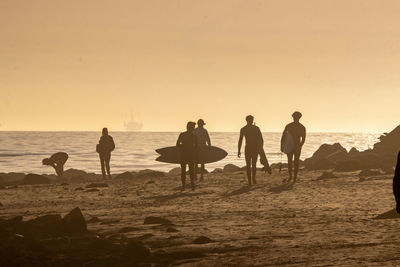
<point>254,141</point>
<point>292,141</point>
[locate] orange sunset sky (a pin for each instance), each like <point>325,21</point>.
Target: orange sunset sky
<point>82,65</point>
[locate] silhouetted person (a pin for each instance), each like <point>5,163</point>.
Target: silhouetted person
<point>57,161</point>
<point>254,141</point>
<point>203,139</point>
<point>104,148</point>
<point>298,134</point>
<point>187,141</point>
<point>396,184</point>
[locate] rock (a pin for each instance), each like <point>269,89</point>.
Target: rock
<point>353,152</point>
<point>326,175</point>
<point>74,173</point>
<point>125,176</point>
<point>391,214</point>
<point>156,220</point>
<point>349,165</point>
<point>171,230</point>
<point>127,229</point>
<point>136,252</point>
<point>96,185</point>
<point>217,170</point>
<point>13,177</point>
<point>368,172</point>
<point>326,157</point>
<point>75,222</point>
<point>202,240</point>
<point>1,204</point>
<point>78,189</point>
<point>150,174</point>
<point>175,171</point>
<point>231,168</point>
<point>11,223</point>
<point>64,184</point>
<point>32,179</point>
<point>48,224</point>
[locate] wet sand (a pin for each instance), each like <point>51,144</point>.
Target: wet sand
<point>327,222</point>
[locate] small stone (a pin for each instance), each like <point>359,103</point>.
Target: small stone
<point>202,240</point>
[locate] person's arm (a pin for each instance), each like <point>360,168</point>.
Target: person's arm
<point>112,144</point>
<point>303,137</point>
<point>208,139</point>
<point>240,143</point>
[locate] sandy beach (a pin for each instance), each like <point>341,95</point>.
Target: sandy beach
<point>316,222</point>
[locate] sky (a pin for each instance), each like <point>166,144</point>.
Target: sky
<point>85,64</point>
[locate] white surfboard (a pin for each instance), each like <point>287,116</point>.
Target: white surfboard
<point>288,143</point>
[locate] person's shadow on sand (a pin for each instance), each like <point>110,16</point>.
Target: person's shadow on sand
<point>281,188</point>
<point>242,190</point>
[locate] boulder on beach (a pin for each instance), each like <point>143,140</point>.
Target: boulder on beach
<point>13,177</point>
<point>75,222</point>
<point>149,174</point>
<point>353,152</point>
<point>32,179</point>
<point>125,176</point>
<point>349,166</point>
<point>231,168</point>
<point>326,157</point>
<point>175,171</point>
<point>217,170</point>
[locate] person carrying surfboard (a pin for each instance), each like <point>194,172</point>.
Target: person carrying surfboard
<point>187,141</point>
<point>203,139</point>
<point>292,141</point>
<point>254,140</point>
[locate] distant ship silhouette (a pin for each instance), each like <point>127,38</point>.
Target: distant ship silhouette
<point>132,125</point>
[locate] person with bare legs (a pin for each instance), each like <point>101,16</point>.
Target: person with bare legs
<point>203,139</point>
<point>57,161</point>
<point>254,140</point>
<point>104,148</point>
<point>297,133</point>
<point>187,141</point>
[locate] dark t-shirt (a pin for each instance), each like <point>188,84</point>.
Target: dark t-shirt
<point>253,137</point>
<point>188,143</point>
<point>297,130</point>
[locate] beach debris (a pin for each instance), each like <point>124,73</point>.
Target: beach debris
<point>231,168</point>
<point>391,214</point>
<point>96,185</point>
<point>156,220</point>
<point>125,176</point>
<point>202,240</point>
<point>32,179</point>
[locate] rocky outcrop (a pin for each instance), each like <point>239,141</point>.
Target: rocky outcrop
<point>231,168</point>
<point>125,176</point>
<point>149,174</point>
<point>326,157</point>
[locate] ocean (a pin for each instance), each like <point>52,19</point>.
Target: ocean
<point>24,151</point>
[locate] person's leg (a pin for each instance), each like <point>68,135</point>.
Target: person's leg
<point>254,159</point>
<point>290,165</point>
<point>192,174</point>
<point>248,166</point>
<point>183,175</point>
<point>108,158</point>
<point>103,171</point>
<point>296,164</point>
<point>202,172</point>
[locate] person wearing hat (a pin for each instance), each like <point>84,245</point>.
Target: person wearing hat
<point>203,139</point>
<point>297,132</point>
<point>187,141</point>
<point>57,161</point>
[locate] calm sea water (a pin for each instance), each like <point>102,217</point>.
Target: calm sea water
<point>24,151</point>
